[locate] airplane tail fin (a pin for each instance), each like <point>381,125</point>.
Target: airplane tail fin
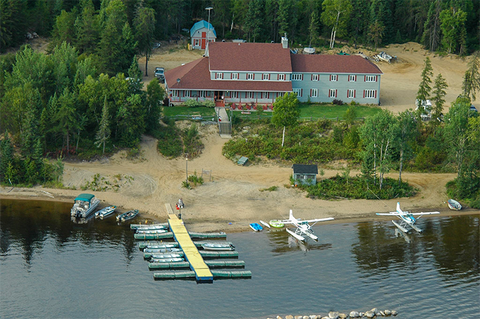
<point>398,207</point>
<point>291,215</point>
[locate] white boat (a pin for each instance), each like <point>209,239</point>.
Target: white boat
<point>217,246</point>
<point>84,205</point>
<point>167,260</point>
<point>161,250</point>
<point>454,205</point>
<point>151,231</point>
<point>105,212</point>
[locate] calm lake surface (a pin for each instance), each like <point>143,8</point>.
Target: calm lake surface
<point>51,267</point>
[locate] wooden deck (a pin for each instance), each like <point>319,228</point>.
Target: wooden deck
<point>197,264</point>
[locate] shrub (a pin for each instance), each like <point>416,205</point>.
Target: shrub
<point>337,102</point>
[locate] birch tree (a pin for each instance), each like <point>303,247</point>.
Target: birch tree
<point>285,111</point>
<point>378,136</point>
<point>335,15</point>
<point>405,131</point>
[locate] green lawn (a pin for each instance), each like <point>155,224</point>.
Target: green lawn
<point>334,111</point>
<point>180,112</point>
<point>307,111</point>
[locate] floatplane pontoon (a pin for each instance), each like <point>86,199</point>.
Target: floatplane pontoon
<point>407,219</point>
<point>303,227</point>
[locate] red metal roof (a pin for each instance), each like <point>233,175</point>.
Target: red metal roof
<point>324,63</point>
<point>260,57</point>
<point>196,76</point>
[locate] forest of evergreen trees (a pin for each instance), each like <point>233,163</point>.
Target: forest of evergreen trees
<point>451,26</point>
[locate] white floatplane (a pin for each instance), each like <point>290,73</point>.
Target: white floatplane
<point>303,227</point>
<point>406,219</point>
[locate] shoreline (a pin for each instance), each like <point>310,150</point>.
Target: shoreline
<point>233,226</point>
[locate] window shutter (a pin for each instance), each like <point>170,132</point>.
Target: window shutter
<point>310,92</point>
<point>375,93</point>
<point>335,93</point>
<point>376,78</point>
<point>330,77</point>
<point>301,77</point>
<point>364,78</point>
<point>363,93</point>
<point>354,93</point>
<point>301,91</point>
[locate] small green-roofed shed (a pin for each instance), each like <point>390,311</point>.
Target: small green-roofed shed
<point>305,174</point>
<point>85,197</point>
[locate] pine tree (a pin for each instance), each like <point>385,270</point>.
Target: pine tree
<point>424,89</point>
<point>471,80</point>
<point>103,133</point>
<point>439,92</point>
<point>144,25</point>
<point>313,28</point>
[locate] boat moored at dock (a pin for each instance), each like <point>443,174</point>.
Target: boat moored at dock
<point>217,246</point>
<point>84,205</point>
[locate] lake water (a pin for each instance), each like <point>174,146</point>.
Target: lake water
<point>51,267</point>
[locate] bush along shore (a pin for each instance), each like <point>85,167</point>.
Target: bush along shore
<point>373,313</point>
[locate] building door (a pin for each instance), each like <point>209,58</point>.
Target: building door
<point>204,37</point>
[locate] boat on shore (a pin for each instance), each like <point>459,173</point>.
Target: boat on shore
<point>84,205</point>
<point>256,227</point>
<point>217,246</point>
<point>105,212</point>
<point>454,205</point>
<point>276,223</point>
<point>131,214</point>
<point>149,227</point>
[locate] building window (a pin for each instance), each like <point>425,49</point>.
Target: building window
<point>314,77</point>
<point>266,77</point>
<point>298,92</point>
<point>234,76</point>
<point>202,93</point>
<point>352,78</point>
<point>332,93</point>
<point>350,93</point>
<point>218,75</point>
<point>187,93</point>
<point>333,77</point>
<point>251,95</point>
<point>197,42</point>
<point>370,78</point>
<point>281,77</point>
<point>314,92</point>
<point>250,76</point>
<point>297,77</point>
<point>174,93</point>
<point>370,94</point>
<point>235,95</point>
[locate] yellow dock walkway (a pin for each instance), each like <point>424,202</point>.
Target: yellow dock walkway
<point>202,272</point>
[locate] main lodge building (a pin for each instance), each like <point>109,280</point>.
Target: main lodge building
<point>245,75</point>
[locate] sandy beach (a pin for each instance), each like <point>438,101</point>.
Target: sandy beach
<point>234,196</point>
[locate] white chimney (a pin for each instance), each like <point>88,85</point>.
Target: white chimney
<point>285,42</point>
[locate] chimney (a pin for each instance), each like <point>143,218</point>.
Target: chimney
<point>285,41</point>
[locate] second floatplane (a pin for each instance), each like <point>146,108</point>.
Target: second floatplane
<point>407,219</point>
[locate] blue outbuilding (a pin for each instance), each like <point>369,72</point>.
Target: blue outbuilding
<point>201,33</point>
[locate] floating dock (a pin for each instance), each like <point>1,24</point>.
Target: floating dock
<point>209,263</point>
<point>201,271</point>
<point>189,274</point>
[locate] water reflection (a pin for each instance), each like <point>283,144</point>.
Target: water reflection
<point>282,242</point>
<point>32,222</point>
<point>453,243</point>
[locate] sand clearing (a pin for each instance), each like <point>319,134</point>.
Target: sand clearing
<point>233,198</point>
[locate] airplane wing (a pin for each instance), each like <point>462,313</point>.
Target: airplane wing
<point>317,220</point>
<point>427,213</point>
<point>388,214</point>
<point>289,222</point>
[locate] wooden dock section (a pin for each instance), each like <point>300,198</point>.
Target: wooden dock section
<point>192,255</point>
